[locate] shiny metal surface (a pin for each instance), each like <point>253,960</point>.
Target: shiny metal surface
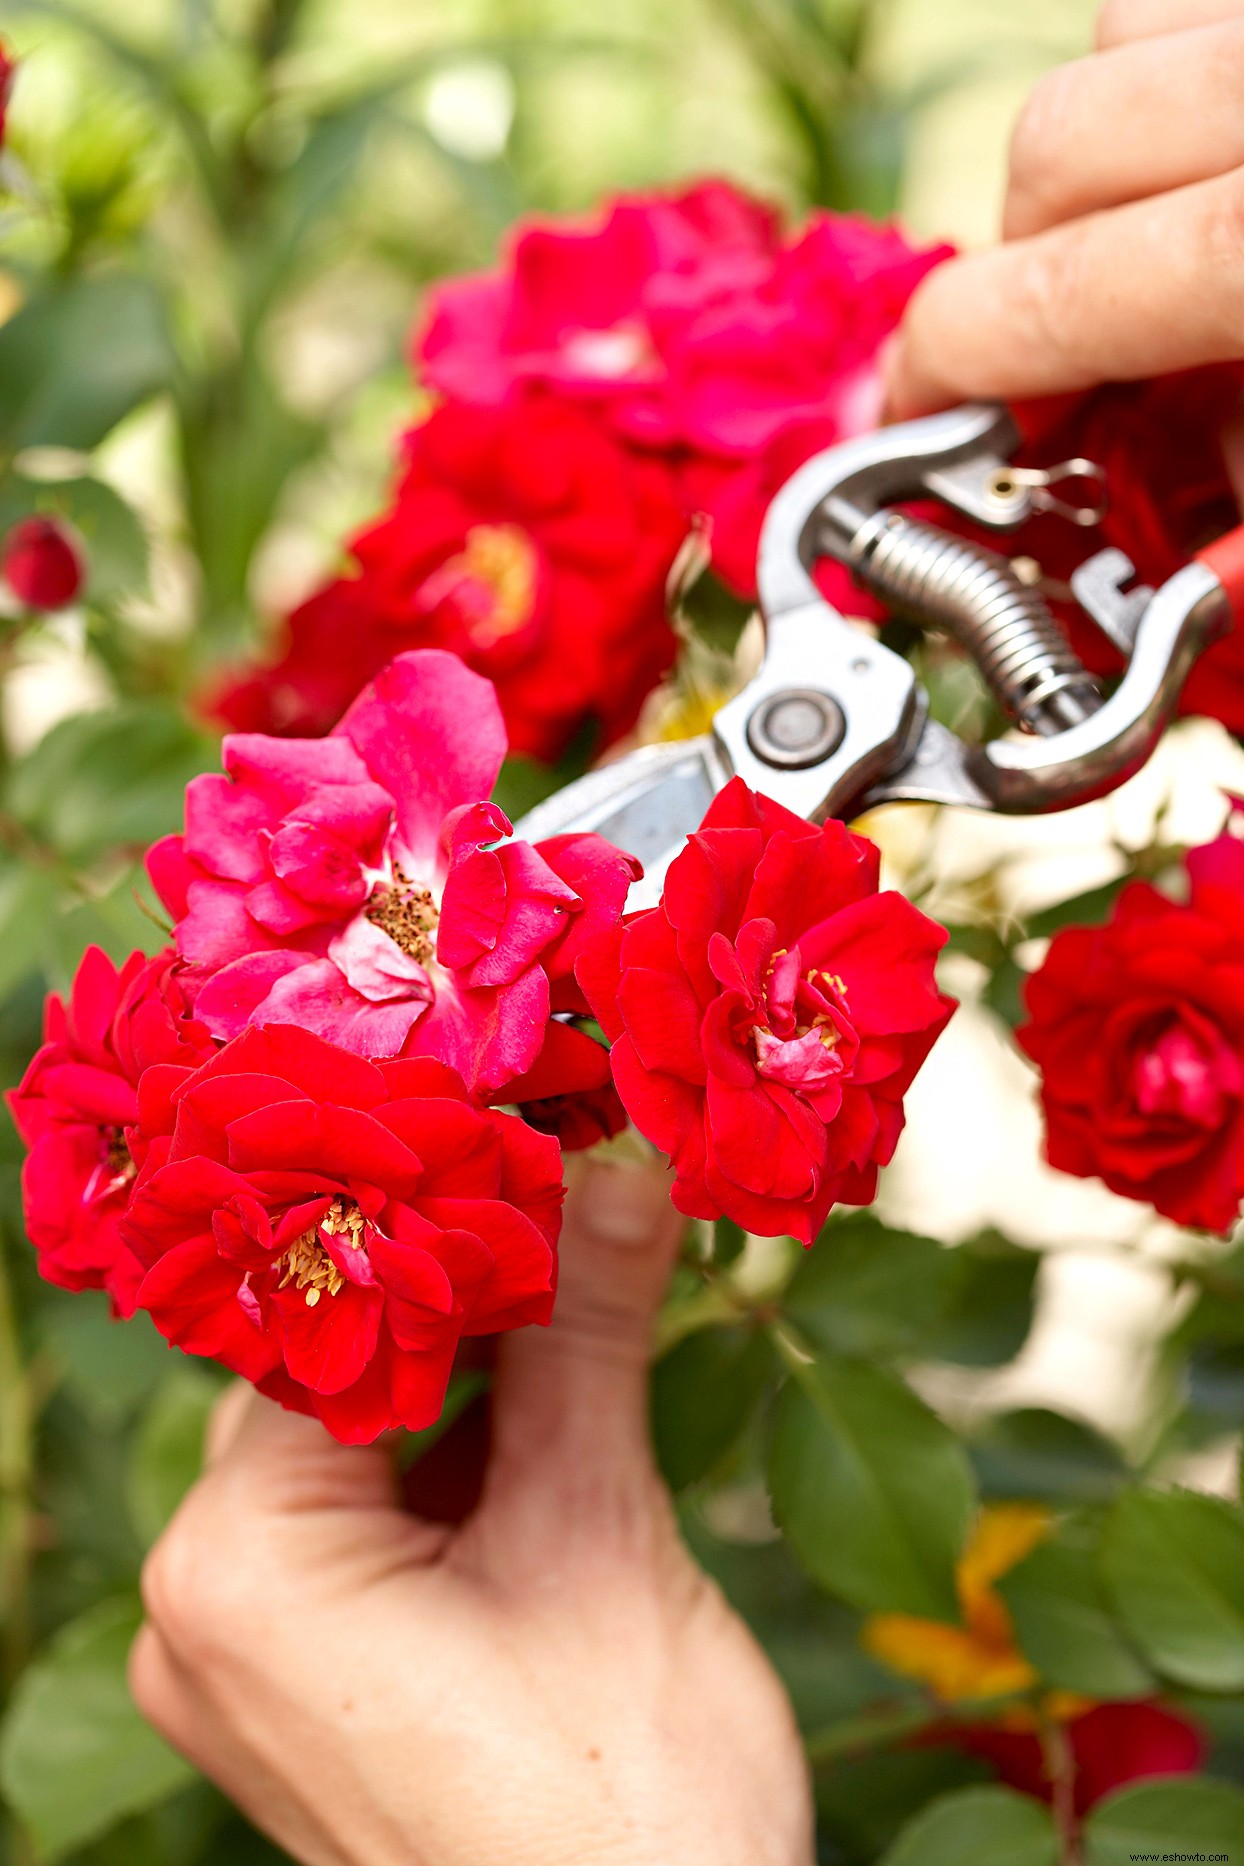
<point>835,722</point>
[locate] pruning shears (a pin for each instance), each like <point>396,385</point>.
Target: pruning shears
<point>834,722</point>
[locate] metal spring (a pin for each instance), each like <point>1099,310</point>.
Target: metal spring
<point>1006,627</point>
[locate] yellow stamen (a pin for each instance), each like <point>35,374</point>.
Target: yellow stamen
<point>308,1266</point>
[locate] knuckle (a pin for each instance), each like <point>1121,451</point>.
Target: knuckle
<point>1115,21</point>
<point>1040,131</point>
<point>189,1592</point>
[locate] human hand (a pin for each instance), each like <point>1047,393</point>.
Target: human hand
<point>553,1684</point>
<point>1123,229</point>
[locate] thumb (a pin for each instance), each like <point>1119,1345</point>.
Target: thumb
<point>574,1397</point>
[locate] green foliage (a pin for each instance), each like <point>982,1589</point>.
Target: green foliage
<point>76,1755</point>
<point>872,1490</point>
<point>1174,1563</point>
<point>978,1827</point>
<point>1187,1816</point>
<point>704,1391</point>
<point>1041,1454</point>
<point>1063,1621</point>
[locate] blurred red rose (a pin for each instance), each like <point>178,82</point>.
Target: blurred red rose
<point>331,1228</point>
<point>1137,1029</point>
<point>524,539</point>
<point>695,326</point>
<point>768,1017</point>
<point>75,1108</point>
<point>8,65</point>
<point>42,564</point>
<point>1169,493</point>
<point>1110,1745</point>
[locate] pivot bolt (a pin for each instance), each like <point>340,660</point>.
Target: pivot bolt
<point>796,728</point>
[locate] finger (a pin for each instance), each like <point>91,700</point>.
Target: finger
<point>224,1421</point>
<point>290,1464</point>
<point>1121,21</point>
<point>1138,291</point>
<point>1123,124</point>
<point>573,1397</point>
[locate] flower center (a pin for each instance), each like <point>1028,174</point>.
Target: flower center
<point>117,1157</point>
<point>407,913</point>
<point>491,583</point>
<point>308,1266</point>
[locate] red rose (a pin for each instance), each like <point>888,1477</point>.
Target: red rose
<point>1137,1029</point>
<point>331,1228</point>
<point>524,539</point>
<point>569,1092</point>
<point>1169,493</point>
<point>359,886</point>
<point>75,1108</point>
<point>695,327</point>
<point>1110,1745</point>
<point>42,564</point>
<point>768,1017</point>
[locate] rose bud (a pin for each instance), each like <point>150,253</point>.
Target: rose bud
<point>42,563</point>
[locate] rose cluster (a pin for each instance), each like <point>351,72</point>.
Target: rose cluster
<point>289,1136</point>
<point>673,360</point>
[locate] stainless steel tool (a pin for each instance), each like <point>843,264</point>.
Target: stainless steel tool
<point>835,723</point>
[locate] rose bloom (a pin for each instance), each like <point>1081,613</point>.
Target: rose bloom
<point>769,1015</point>
<point>330,1228</point>
<point>694,325</point>
<point>1169,495</point>
<point>1137,1030</point>
<point>1108,1744</point>
<point>525,540</point>
<point>358,886</point>
<point>75,1108</point>
<point>41,563</point>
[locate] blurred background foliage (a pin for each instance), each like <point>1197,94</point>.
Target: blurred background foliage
<point>216,219</point>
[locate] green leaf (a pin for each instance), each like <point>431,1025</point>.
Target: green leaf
<point>704,1391</point>
<point>873,1492</point>
<point>978,1827</point>
<point>108,779</point>
<point>167,1452</point>
<point>28,897</point>
<point>1063,1623</point>
<point>75,1756</point>
<point>109,1365</point>
<point>989,1307</point>
<point>1184,1818</point>
<point>1090,909</point>
<point>1033,1453</point>
<point>864,1289</point>
<point>864,1802</point>
<point>1174,1563</point>
<point>78,357</point>
<point>729,1242</point>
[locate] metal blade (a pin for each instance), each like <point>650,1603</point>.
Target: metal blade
<point>647,803</point>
